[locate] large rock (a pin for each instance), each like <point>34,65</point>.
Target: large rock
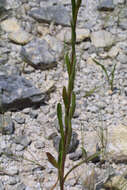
<point>6,125</point>
<point>91,142</point>
<point>122,58</point>
<point>3,11</point>
<point>1,185</point>
<point>2,6</point>
<point>119,2</point>
<point>106,5</point>
<point>16,33</point>
<point>117,143</point>
<point>20,37</point>
<point>123,18</point>
<point>17,92</point>
<point>2,3</point>
<point>22,140</point>
<point>4,52</point>
<point>102,39</point>
<point>13,4</point>
<point>10,25</point>
<point>57,13</point>
<point>113,52</point>
<point>56,45</point>
<point>41,53</point>
<point>65,34</point>
<point>3,58</point>
<point>123,23</point>
<point>9,70</point>
<point>116,182</point>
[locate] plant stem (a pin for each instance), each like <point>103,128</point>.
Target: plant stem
<point>69,99</point>
<point>68,126</point>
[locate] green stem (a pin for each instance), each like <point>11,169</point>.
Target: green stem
<point>68,127</point>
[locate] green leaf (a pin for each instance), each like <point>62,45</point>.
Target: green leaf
<point>66,120</point>
<point>112,77</point>
<point>60,145</point>
<point>71,84</point>
<point>65,97</point>
<point>72,77</point>
<point>61,150</point>
<point>59,116</point>
<point>77,9</point>
<point>73,105</point>
<point>52,160</point>
<point>73,34</point>
<point>67,61</point>
<point>69,135</point>
<point>90,92</point>
<point>73,7</point>
<point>84,153</point>
<point>113,71</point>
<point>103,68</point>
<point>78,3</point>
<point>93,156</point>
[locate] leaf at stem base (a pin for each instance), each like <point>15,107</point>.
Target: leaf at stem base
<point>52,160</point>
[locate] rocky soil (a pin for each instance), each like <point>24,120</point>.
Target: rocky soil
<point>34,36</point>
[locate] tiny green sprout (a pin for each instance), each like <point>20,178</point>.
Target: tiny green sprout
<point>110,77</point>
<point>90,92</point>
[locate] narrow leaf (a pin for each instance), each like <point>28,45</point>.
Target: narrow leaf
<point>67,61</point>
<point>73,105</point>
<point>73,7</point>
<point>65,97</point>
<point>103,68</point>
<point>112,76</point>
<point>71,84</point>
<point>72,77</point>
<point>93,156</point>
<point>61,150</point>
<point>84,153</point>
<point>113,71</point>
<point>66,120</point>
<point>59,115</point>
<point>69,135</point>
<point>52,160</point>
<point>90,92</point>
<point>78,4</point>
<point>77,9</point>
<point>73,34</point>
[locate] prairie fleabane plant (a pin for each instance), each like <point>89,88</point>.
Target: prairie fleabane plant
<point>69,100</point>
